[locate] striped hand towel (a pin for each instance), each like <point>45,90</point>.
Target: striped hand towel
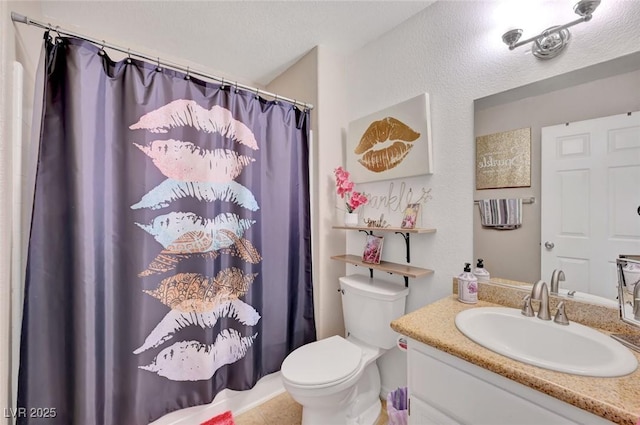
<point>502,214</point>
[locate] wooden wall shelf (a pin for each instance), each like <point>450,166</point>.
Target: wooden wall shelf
<point>405,233</point>
<point>386,229</point>
<point>385,266</point>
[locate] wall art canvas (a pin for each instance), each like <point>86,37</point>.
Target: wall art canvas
<point>504,159</point>
<point>392,143</point>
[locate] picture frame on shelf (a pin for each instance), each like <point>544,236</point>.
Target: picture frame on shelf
<point>410,216</point>
<point>373,249</point>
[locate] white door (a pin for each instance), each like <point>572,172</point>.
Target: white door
<point>590,200</point>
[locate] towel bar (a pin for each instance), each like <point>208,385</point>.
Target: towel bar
<point>531,200</point>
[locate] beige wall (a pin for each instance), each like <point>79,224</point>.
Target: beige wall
<point>515,254</point>
<point>330,153</point>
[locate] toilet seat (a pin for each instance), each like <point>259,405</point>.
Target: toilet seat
<point>323,363</point>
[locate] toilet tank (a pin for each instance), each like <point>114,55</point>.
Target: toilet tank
<point>369,305</point>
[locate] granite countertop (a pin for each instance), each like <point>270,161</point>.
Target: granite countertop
<point>615,399</point>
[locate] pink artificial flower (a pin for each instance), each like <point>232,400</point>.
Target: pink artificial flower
<point>356,199</point>
<point>341,174</point>
<point>345,188</point>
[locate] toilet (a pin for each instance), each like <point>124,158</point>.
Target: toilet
<point>336,380</point>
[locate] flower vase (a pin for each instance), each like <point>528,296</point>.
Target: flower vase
<point>350,219</point>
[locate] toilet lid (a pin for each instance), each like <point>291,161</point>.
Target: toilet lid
<point>323,362</point>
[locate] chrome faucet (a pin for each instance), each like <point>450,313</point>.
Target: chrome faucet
<point>527,310</point>
<point>556,277</point>
<point>561,315</point>
<point>540,292</point>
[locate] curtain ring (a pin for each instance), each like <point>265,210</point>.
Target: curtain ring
<point>276,101</point>
<point>257,93</point>
<point>187,77</point>
<point>222,85</point>
<point>102,52</point>
<point>59,36</point>
<point>128,56</point>
<point>159,68</point>
<point>295,102</point>
<point>237,91</point>
<point>47,35</point>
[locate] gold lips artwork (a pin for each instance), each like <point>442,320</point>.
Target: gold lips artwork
<point>388,129</point>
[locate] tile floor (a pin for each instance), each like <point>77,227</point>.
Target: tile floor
<point>283,410</point>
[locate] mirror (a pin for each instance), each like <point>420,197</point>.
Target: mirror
<point>628,267</point>
<point>601,90</point>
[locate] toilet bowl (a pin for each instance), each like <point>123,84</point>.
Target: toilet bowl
<point>336,380</point>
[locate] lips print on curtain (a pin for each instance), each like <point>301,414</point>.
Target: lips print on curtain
<point>170,253</point>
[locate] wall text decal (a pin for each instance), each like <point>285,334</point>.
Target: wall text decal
<point>397,197</point>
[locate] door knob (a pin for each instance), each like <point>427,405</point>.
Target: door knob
<point>549,245</point>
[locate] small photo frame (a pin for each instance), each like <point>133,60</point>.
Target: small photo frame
<point>373,249</point>
<point>410,216</point>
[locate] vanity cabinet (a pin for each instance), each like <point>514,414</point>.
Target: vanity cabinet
<point>444,389</point>
<point>404,270</point>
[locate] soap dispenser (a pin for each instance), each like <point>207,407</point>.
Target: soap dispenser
<point>480,272</point>
<point>467,286</point>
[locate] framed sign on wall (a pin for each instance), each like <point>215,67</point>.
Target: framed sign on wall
<point>504,159</point>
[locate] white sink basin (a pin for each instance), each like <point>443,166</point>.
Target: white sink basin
<point>574,349</point>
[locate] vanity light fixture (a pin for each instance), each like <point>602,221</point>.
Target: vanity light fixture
<point>550,42</point>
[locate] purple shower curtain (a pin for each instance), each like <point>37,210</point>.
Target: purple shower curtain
<point>170,252</point>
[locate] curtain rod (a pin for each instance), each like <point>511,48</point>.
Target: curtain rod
<point>16,17</point>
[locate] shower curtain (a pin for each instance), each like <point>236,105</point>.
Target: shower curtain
<point>170,252</point>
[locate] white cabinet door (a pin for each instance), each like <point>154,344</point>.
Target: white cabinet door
<point>423,414</point>
<point>455,391</point>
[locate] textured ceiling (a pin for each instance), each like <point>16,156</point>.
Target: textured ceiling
<point>251,41</point>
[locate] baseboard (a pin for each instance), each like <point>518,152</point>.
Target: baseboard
<point>237,401</point>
